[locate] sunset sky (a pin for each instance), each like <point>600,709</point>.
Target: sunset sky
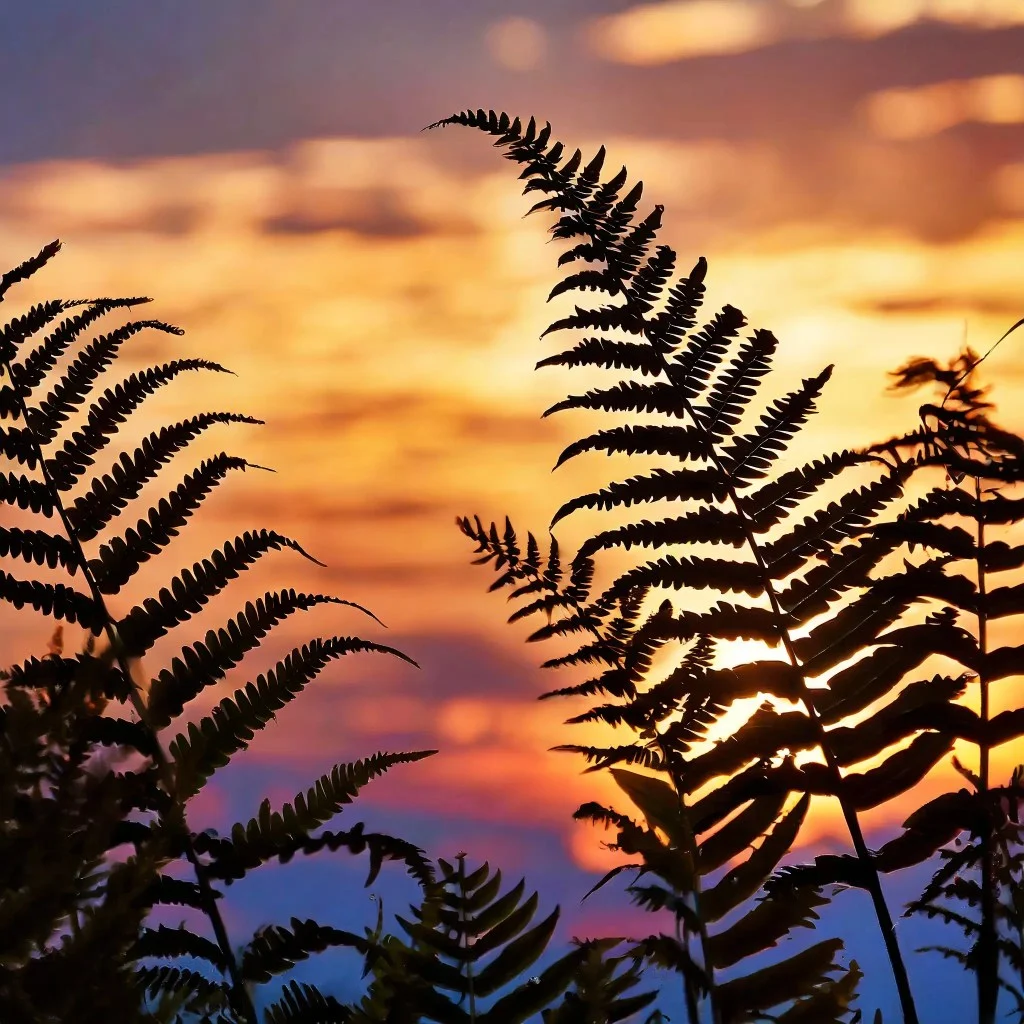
<point>853,170</point>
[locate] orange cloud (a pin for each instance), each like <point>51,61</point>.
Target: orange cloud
<point>1008,187</point>
<point>518,44</point>
<point>674,30</point>
<point>657,33</point>
<point>928,110</point>
<point>880,17</point>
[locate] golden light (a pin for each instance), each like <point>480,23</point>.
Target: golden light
<point>880,17</point>
<point>982,13</point>
<point>916,113</point>
<point>930,109</point>
<point>518,44</point>
<point>657,33</point>
<point>680,29</point>
<point>873,18</point>
<point>1008,186</point>
<point>956,11</point>
<point>383,314</point>
<point>464,722</point>
<point>997,99</point>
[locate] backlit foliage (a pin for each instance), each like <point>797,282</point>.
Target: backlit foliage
<point>470,952</point>
<point>818,577</point>
<point>97,778</point>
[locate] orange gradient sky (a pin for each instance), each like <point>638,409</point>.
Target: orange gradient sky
<point>853,171</point>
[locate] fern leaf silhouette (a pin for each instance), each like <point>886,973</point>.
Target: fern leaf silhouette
<point>725,445</point>
<point>61,702</point>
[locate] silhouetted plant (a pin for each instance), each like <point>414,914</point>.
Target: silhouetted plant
<point>61,812</point>
<point>471,942</point>
<point>75,940</point>
<point>966,519</point>
<point>603,989</point>
<point>963,522</point>
<point>691,393</point>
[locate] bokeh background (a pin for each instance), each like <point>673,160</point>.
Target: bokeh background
<point>852,169</point>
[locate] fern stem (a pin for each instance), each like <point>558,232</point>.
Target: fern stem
<point>692,1010</point>
<point>470,977</point>
<point>988,954</point>
<point>702,927</point>
<point>864,855</point>
<point>239,994</point>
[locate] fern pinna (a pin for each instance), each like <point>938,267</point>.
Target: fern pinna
<point>37,401</point>
<point>966,521</point>
<point>691,392</point>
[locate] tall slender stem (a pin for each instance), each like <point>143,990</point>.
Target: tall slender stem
<point>988,954</point>
<point>239,994</point>
<point>694,855</point>
<point>692,1009</point>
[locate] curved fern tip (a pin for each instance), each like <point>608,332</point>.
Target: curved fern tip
<point>305,554</point>
<point>443,123</point>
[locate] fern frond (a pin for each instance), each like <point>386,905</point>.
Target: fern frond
<point>709,379</point>
<point>163,943</point>
<point>661,485</point>
<point>231,726</point>
<point>18,444</point>
<point>729,396</point>
<point>773,501</point>
<point>470,942</point>
<point>109,494</point>
<point>28,374</point>
<point>205,663</point>
<point>684,443</point>
<point>109,411</point>
<point>627,396</point>
<point>71,390</point>
<point>190,591</point>
<point>195,987</point>
<point>23,271</point>
<point>53,599</point>
<point>618,355</point>
<point>120,558</point>
<point>275,949</point>
<point>306,1004</point>
<point>27,494</point>
<point>38,547</point>
<point>692,368</point>
<point>280,834</point>
<point>748,458</point>
<point>17,331</point>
